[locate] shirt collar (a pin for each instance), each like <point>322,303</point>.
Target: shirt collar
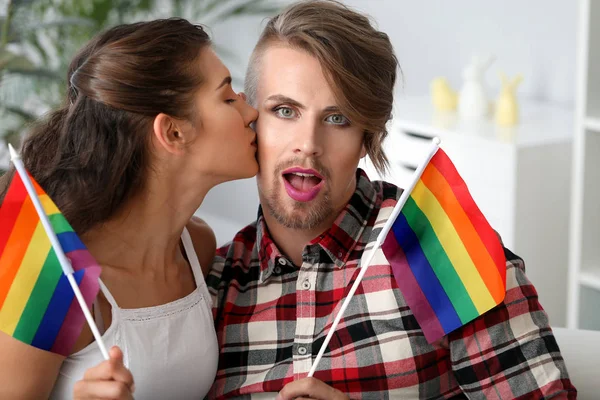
<point>268,252</point>
<point>338,241</point>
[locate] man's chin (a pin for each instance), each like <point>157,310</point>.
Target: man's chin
<point>296,215</point>
<point>297,223</point>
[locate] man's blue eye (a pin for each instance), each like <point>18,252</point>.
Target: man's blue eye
<point>285,112</point>
<point>337,119</point>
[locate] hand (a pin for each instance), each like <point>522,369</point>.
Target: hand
<point>108,380</point>
<point>310,388</point>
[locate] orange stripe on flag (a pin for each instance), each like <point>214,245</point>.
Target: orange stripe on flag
<point>17,244</point>
<point>437,184</point>
<point>38,189</point>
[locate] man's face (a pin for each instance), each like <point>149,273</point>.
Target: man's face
<point>308,151</point>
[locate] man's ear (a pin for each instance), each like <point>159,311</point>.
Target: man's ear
<point>170,133</point>
<point>363,150</point>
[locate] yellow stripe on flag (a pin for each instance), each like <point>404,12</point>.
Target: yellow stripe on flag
<point>454,247</point>
<point>25,280</point>
<point>48,205</point>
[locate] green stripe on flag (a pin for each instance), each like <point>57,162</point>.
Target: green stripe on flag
<point>39,299</point>
<point>60,223</point>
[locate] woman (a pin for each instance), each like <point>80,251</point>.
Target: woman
<point>150,126</point>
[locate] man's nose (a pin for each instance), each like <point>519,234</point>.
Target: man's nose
<point>308,140</point>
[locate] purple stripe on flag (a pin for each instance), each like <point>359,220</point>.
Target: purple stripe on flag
<point>411,289</point>
<point>81,259</point>
<point>74,320</point>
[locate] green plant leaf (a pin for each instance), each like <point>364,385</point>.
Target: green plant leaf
<point>51,31</point>
<point>9,60</point>
<point>36,72</point>
<point>60,22</point>
<point>13,137</point>
<point>211,5</point>
<point>23,114</point>
<point>21,3</point>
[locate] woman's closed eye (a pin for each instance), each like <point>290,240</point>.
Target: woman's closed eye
<point>233,97</point>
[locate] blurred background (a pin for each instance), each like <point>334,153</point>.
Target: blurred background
<point>531,162</point>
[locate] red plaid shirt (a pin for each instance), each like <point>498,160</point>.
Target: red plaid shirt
<point>272,317</point>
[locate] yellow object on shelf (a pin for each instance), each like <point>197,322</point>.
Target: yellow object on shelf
<point>507,109</point>
<point>442,95</point>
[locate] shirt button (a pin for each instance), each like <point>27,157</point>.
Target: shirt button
<point>302,350</point>
<point>278,270</point>
<point>306,284</point>
<point>340,254</point>
<point>282,261</point>
<point>309,258</point>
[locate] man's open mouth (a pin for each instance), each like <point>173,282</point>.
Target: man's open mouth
<point>302,184</point>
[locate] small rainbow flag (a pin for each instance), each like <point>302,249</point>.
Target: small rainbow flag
<point>446,258</point>
<point>37,304</point>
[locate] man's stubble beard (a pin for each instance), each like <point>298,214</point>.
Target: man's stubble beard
<point>302,215</point>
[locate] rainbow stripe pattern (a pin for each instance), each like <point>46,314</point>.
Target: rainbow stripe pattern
<point>37,304</point>
<point>447,260</point>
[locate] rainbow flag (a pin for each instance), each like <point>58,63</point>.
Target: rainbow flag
<point>37,304</point>
<point>447,260</point>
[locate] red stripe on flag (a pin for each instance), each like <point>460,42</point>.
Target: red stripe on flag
<point>11,206</point>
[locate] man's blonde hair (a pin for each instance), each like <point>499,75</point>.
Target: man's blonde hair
<point>358,60</point>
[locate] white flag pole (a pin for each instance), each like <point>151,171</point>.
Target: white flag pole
<point>60,254</point>
<point>435,145</point>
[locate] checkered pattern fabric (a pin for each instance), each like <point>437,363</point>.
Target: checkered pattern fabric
<point>272,316</point>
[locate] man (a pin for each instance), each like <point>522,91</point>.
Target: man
<point>322,79</point>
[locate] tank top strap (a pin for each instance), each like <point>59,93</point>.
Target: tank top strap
<point>98,316</point>
<point>106,293</point>
<point>188,245</point>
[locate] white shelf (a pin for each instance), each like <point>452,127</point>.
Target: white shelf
<point>540,123</point>
<point>592,124</point>
<point>590,279</point>
<point>584,252</point>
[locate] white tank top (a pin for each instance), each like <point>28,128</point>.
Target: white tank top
<point>171,349</point>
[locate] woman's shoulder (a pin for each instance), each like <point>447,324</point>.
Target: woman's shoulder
<point>205,243</point>
<point>26,372</point>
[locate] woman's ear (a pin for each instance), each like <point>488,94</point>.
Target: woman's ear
<point>170,133</point>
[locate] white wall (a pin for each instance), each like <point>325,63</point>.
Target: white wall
<point>434,38</point>
<point>438,37</point>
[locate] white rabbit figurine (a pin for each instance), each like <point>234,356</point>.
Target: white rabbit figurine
<point>473,102</point>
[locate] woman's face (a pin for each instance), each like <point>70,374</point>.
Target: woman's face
<point>225,146</point>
